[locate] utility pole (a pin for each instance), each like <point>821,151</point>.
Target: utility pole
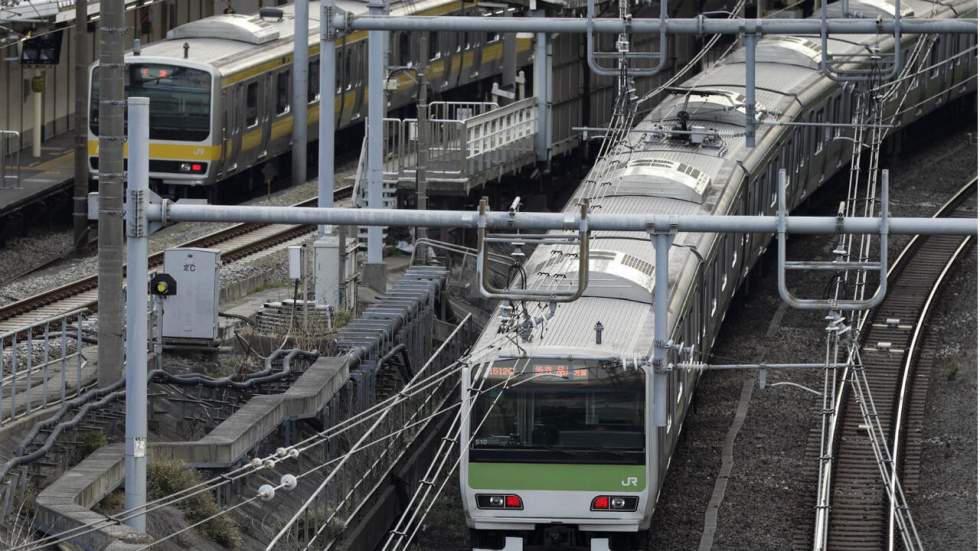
<point>137,249</point>
<point>80,211</point>
<point>112,102</point>
<point>374,268</point>
<point>422,157</point>
<point>301,64</point>
<point>328,257</point>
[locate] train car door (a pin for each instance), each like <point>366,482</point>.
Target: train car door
<point>268,107</point>
<point>343,83</point>
<point>358,67</point>
<point>227,96</point>
<point>236,121</point>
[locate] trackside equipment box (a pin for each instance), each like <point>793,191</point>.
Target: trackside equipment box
<point>193,312</point>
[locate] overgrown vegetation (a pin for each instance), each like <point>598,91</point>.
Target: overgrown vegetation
<point>167,477</point>
<point>90,441</point>
<point>341,318</point>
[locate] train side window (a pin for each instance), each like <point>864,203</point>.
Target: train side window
<point>434,51</point>
<point>816,119</point>
<point>935,57</point>
<point>838,115</point>
<point>313,81</point>
<point>800,138</point>
<point>347,62</point>
<point>827,116</point>
<point>252,104</point>
<point>680,385</point>
<point>773,179</point>
<point>404,50</point>
<point>282,92</point>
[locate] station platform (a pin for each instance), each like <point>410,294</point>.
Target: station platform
<point>40,179</point>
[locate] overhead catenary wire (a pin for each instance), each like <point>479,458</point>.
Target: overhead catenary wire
<point>254,466</point>
<point>199,488</point>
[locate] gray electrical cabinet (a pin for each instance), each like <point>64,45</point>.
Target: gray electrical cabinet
<point>192,314</point>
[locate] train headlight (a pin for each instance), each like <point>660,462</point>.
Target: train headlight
<point>499,501</point>
<point>194,168</point>
<point>615,503</point>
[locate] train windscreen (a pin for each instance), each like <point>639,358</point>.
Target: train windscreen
<point>180,100</point>
<point>560,414</point>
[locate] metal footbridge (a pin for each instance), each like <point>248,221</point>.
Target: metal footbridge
<point>468,144</point>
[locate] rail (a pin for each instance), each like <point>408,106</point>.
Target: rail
<point>81,293</point>
<point>824,526</point>
<point>41,365</point>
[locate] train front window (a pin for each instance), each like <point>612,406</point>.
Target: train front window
<point>563,419</point>
<point>180,100</point>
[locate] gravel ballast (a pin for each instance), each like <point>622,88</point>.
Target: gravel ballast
<point>771,491</point>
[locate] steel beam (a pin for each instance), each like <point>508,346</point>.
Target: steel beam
<point>546,221</point>
<point>326,249</point>
<point>691,25</point>
<point>328,111</point>
<point>749,41</point>
<point>662,240</point>
<point>377,46</point>
<point>301,64</point>
<point>541,94</point>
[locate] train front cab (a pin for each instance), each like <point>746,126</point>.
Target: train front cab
<point>558,455</point>
<point>183,150</point>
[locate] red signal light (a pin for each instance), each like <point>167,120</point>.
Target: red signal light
<point>601,502</point>
<point>513,502</point>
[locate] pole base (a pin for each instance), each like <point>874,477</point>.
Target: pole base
<point>375,278</point>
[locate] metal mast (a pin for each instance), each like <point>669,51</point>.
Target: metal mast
<point>112,97</point>
<point>80,210</point>
<point>301,59</point>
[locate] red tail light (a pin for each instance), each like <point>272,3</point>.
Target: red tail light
<point>615,503</point>
<point>197,167</point>
<point>499,501</point>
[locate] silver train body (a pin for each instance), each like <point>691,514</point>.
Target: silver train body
<point>566,455</point>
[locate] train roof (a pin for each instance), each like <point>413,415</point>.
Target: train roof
<point>651,172</point>
<point>231,42</point>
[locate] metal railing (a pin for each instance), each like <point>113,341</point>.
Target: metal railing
<point>41,365</point>
<point>500,140</point>
<point>9,160</point>
<point>459,110</point>
<point>464,150</point>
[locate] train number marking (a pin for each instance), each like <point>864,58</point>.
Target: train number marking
<point>630,481</point>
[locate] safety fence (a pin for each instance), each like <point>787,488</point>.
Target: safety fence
<point>41,365</point>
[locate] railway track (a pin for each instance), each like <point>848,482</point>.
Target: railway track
<point>234,242</point>
<point>860,515</point>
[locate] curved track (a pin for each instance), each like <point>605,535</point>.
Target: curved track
<point>234,242</point>
<point>859,517</point>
